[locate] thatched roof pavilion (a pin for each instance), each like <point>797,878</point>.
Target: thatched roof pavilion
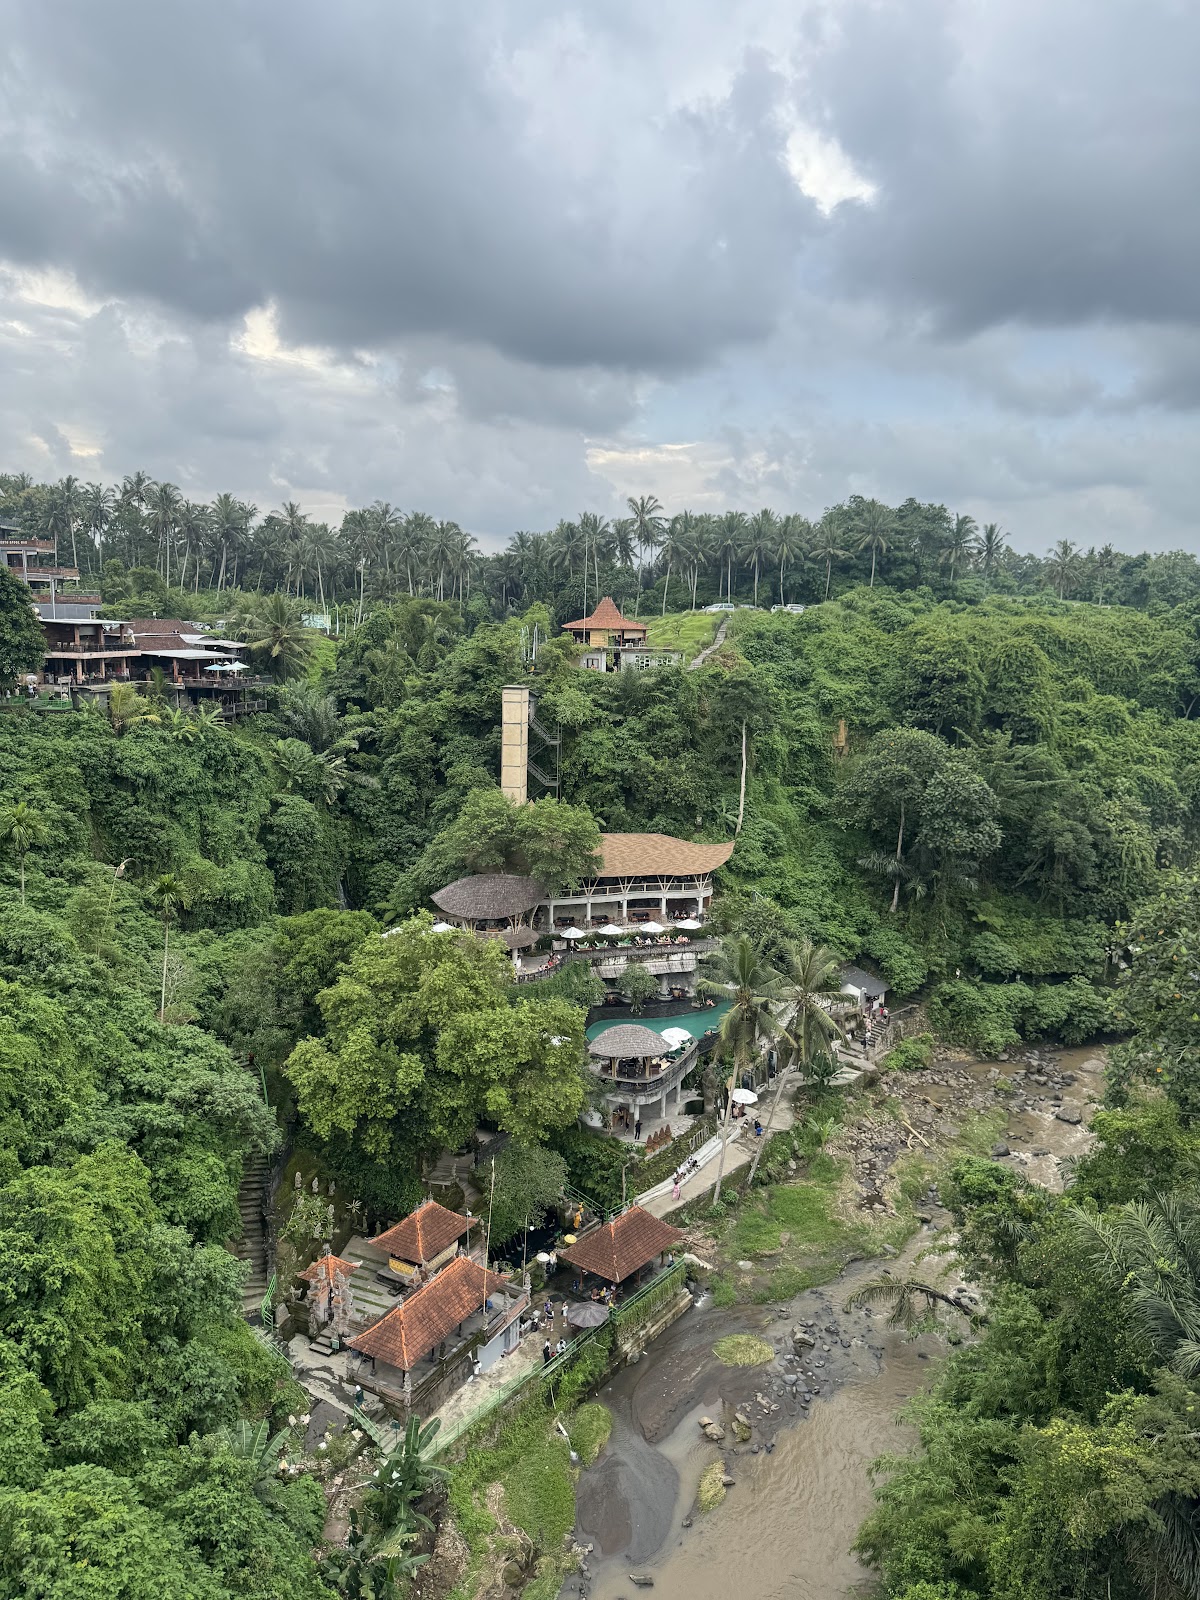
<point>489,897</point>
<point>625,1040</point>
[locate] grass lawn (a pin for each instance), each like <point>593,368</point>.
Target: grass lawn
<point>688,631</point>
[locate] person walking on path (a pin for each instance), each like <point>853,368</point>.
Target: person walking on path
<point>675,1188</point>
<point>547,1352</point>
<point>637,1129</point>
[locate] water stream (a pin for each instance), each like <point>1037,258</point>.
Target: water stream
<point>787,1526</point>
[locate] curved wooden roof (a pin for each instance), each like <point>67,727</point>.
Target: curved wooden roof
<point>606,615</point>
<point>423,1234</point>
<point>654,855</point>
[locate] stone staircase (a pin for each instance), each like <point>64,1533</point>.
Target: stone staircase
<point>372,1299</point>
<point>252,1245</point>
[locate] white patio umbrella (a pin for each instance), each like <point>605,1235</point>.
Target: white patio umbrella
<point>653,927</point>
<point>689,923</point>
<point>676,1037</point>
<point>610,930</point>
<point>745,1097</point>
<point>441,927</point>
<point>572,933</point>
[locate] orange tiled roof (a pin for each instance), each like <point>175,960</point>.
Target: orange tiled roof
<point>606,615</point>
<point>328,1266</point>
<point>423,1234</point>
<point>419,1325</point>
<point>633,855</point>
<point>622,1245</point>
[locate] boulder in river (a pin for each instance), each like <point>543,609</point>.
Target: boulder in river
<point>1068,1113</point>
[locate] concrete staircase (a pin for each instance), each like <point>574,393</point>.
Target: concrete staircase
<point>252,1245</point>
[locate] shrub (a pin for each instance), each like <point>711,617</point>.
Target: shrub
<point>910,1055</point>
<point>903,965</point>
<point>743,1350</point>
<point>589,1430</point>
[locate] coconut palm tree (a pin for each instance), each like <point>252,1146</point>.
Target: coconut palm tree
<point>648,523</point>
<point>758,546</point>
<point>1106,565</point>
<point>164,501</point>
<point>1149,1251</point>
<point>22,827</point>
<point>701,549</point>
<point>1064,566</point>
<point>991,548</point>
<point>171,896</point>
<point>623,541</point>
<point>792,537</point>
<point>676,546</point>
<point>276,633</point>
<point>414,543</point>
<point>65,509</point>
<point>810,979</point>
<point>738,971</point>
<point>962,543</point>
<point>126,709</point>
<point>874,525</point>
<point>731,534</point>
<point>99,502</point>
<point>827,546</point>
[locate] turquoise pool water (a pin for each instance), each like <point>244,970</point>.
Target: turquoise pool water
<point>696,1022</point>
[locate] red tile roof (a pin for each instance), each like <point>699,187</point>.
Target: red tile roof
<point>606,615</point>
<point>326,1267</point>
<point>413,1329</point>
<point>622,1245</point>
<point>423,1234</point>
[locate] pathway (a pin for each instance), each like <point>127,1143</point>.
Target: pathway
<point>698,661</point>
<point>252,1245</point>
<point>739,1152</point>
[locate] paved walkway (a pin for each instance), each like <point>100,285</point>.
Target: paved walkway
<point>739,1153</point>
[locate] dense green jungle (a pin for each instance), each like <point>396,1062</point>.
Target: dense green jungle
<point>976,774</point>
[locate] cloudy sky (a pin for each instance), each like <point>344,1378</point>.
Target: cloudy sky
<point>507,260</point>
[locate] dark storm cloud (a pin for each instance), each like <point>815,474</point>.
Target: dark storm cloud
<point>1035,162</point>
<point>384,170</point>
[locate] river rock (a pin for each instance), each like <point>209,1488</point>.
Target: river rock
<point>802,1340</point>
<point>1000,1149</point>
<point>1069,1113</point>
<point>745,1266</point>
<point>713,1431</point>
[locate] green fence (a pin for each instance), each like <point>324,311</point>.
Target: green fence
<point>652,1297</point>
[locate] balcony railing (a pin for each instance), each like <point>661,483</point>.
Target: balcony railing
<point>657,1078</point>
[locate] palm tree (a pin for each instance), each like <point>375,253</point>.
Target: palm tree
<point>676,546</point>
<point>827,545</point>
<point>759,544</point>
<point>181,726</point>
<point>1107,563</point>
<point>648,522</point>
<point>126,709</point>
<point>277,633</point>
<point>1149,1251</point>
<point>810,979</point>
<point>961,544</point>
<point>731,533</point>
<point>99,503</point>
<point>171,895</point>
<point>165,501</point>
<point>413,544</point>
<point>226,522</point>
<point>701,548</point>
<point>1064,565</point>
<point>873,527</point>
<point>66,507</point>
<point>742,975</point>
<point>22,826</point>
<point>791,540</point>
<point>623,540</point>
<point>991,548</point>
<point>194,526</point>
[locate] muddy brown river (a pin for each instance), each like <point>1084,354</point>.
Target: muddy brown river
<point>787,1525</point>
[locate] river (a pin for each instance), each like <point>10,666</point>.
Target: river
<point>789,1521</point>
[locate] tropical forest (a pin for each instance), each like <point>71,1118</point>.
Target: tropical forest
<point>968,773</point>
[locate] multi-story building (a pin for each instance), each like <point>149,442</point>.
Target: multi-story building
<point>35,562</point>
<point>613,643</point>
